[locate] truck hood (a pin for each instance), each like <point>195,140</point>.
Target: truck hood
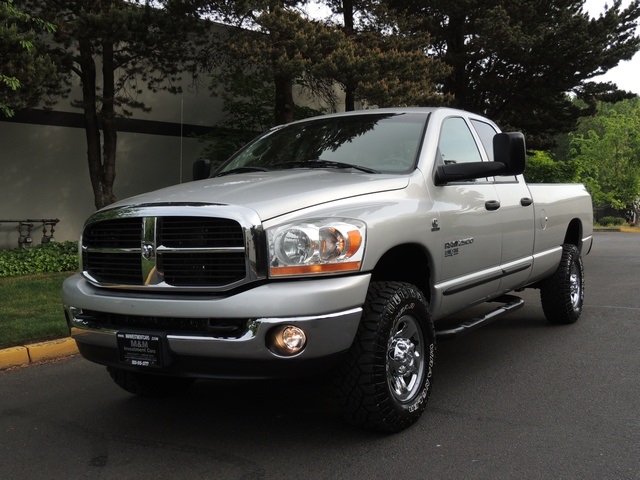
<point>271,194</point>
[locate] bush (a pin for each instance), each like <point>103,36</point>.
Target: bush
<point>47,258</point>
<point>542,168</point>
<point>612,221</point>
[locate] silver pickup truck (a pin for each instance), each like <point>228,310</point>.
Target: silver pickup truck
<point>339,243</point>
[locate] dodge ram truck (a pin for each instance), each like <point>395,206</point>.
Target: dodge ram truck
<point>338,244</point>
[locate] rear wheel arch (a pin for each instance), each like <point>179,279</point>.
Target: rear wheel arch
<point>573,236</point>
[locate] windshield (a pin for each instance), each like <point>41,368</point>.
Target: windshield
<point>384,143</point>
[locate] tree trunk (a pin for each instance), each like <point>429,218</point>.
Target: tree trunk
<point>107,114</point>
<point>101,164</point>
<point>456,83</point>
<point>284,99</point>
<point>284,105</point>
<point>92,130</point>
<point>349,98</point>
<point>349,88</point>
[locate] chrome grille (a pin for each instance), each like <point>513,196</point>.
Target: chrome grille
<point>166,251</point>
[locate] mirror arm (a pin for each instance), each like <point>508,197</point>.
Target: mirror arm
<point>459,172</point>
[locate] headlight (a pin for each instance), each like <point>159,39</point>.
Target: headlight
<point>316,247</point>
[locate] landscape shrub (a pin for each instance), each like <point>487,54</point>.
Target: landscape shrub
<point>612,221</point>
<point>46,258</point>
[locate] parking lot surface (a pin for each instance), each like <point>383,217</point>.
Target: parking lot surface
<point>516,399</point>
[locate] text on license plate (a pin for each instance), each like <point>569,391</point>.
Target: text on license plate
<point>140,349</point>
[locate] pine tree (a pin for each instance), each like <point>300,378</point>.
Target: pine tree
<point>274,42</point>
<point>517,61</point>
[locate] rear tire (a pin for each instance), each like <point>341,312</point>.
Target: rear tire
<point>386,380</point>
<point>562,294</point>
<point>148,385</point>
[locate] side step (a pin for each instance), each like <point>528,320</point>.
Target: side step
<point>510,303</point>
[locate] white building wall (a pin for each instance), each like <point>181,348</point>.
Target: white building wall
<point>44,170</point>
<point>43,166</point>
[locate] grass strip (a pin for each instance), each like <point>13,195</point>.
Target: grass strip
<point>31,309</point>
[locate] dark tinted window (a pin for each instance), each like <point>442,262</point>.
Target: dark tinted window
<point>486,133</point>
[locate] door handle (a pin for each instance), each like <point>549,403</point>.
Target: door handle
<point>492,205</point>
<point>526,201</point>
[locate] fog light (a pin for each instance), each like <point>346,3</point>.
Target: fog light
<point>286,340</point>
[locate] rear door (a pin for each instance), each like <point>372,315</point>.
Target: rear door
<point>517,215</point>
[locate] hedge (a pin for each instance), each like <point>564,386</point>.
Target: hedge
<point>612,221</point>
<point>46,258</point>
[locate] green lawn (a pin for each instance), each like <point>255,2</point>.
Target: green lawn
<point>31,309</point>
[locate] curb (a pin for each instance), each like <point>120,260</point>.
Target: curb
<point>617,229</point>
<point>37,352</point>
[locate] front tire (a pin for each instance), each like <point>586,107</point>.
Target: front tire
<point>562,294</point>
<point>386,380</point>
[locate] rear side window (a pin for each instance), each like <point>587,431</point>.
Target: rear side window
<point>486,133</point>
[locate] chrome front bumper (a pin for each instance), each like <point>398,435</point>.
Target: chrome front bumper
<point>327,309</point>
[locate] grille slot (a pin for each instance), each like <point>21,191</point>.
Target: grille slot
<point>198,232</point>
<point>121,267</point>
<point>178,252</point>
<point>219,328</point>
<point>117,233</point>
<point>193,269</point>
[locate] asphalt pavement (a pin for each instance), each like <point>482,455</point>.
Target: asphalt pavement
<point>518,399</point>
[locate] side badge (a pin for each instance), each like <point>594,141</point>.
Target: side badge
<point>434,225</point>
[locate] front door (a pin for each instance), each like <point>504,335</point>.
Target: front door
<point>470,233</point>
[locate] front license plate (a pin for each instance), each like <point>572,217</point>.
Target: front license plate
<point>140,349</point>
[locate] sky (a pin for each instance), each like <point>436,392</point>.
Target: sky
<point>627,74</point>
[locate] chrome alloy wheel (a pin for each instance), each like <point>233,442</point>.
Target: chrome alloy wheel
<point>405,359</point>
<point>575,287</point>
<point>385,381</point>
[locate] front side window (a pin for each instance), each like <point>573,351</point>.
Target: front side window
<point>456,143</point>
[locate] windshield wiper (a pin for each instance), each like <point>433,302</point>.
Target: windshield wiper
<point>319,163</point>
<point>242,170</point>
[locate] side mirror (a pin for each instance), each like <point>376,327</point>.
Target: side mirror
<point>510,149</point>
<point>459,172</point>
<point>201,169</point>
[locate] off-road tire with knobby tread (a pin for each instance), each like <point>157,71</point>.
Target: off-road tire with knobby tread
<point>149,385</point>
<point>395,335</point>
<point>562,294</point>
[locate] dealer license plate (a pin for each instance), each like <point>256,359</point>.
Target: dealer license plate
<point>140,349</point>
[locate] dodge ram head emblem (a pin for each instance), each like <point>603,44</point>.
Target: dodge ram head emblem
<point>147,250</point>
